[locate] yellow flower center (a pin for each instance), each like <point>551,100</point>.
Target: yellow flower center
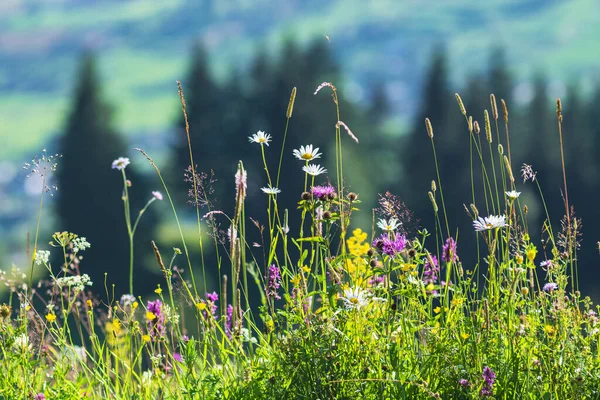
<point>307,156</point>
<point>353,300</point>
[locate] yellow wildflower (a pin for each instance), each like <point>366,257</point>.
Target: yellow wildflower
<point>145,338</point>
<point>531,252</point>
<point>519,259</point>
<point>464,335</point>
<point>135,305</point>
<point>201,306</point>
<point>437,310</point>
<point>158,290</point>
<point>549,330</point>
<point>150,316</point>
<point>116,325</point>
<point>89,303</point>
<point>50,317</point>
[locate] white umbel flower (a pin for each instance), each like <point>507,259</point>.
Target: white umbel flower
<point>355,298</point>
<point>388,226</point>
<point>513,194</point>
<point>260,137</point>
<point>307,153</point>
<point>491,222</point>
<point>314,169</point>
<point>271,190</point>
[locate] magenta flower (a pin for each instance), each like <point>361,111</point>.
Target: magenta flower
<point>39,396</point>
<point>273,282</point>
<point>177,357</point>
<point>323,192</point>
<point>449,251</point>
<point>156,327</point>
<point>390,245</point>
<point>488,381</point>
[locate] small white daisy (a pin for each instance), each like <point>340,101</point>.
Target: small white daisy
<point>120,163</point>
<point>388,226</point>
<point>260,137</point>
<point>491,222</point>
<point>271,190</point>
<point>355,298</point>
<point>307,153</point>
<point>513,194</point>
<point>314,169</point>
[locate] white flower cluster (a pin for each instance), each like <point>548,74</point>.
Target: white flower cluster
<point>42,257</point>
<point>21,343</point>
<point>80,244</point>
<point>77,282</point>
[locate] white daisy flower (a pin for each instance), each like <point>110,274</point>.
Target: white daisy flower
<point>388,226</point>
<point>307,153</point>
<point>120,163</point>
<point>314,169</point>
<point>513,194</point>
<point>260,137</point>
<point>270,190</point>
<point>355,298</point>
<point>491,222</point>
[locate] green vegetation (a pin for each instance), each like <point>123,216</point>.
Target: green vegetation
<point>373,312</point>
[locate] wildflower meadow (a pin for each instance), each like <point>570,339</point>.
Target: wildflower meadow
<point>325,309</point>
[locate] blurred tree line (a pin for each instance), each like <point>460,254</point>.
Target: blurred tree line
<point>223,114</point>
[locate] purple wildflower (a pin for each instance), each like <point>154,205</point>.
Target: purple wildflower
<point>430,271</point>
<point>550,286</point>
<point>39,396</point>
<point>177,357</point>
<point>229,328</point>
<point>212,299</point>
<point>463,382</point>
<point>390,245</point>
<point>157,195</point>
<point>273,282</point>
<point>323,192</point>
<point>185,338</point>
<point>376,280</point>
<point>156,327</point>
<point>488,381</point>
<point>449,251</point>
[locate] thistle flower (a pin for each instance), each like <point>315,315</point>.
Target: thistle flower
<point>449,250</point>
<point>491,222</point>
<point>463,382</point>
<point>307,153</point>
<point>260,137</point>
<point>271,190</point>
<point>120,163</point>
<point>323,192</point>
<point>390,246</point>
<point>388,225</point>
<point>513,194</point>
<point>314,169</point>
<point>273,282</point>
<point>157,195</point>
<point>355,298</point>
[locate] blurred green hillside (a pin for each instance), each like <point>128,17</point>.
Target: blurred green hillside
<point>144,46</point>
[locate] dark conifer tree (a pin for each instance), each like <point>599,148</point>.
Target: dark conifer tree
<point>90,193</point>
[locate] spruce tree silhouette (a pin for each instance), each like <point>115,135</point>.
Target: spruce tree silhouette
<point>89,199</point>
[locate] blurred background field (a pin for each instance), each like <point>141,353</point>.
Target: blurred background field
<point>394,62</point>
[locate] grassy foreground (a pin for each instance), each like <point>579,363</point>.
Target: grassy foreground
<point>345,313</point>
